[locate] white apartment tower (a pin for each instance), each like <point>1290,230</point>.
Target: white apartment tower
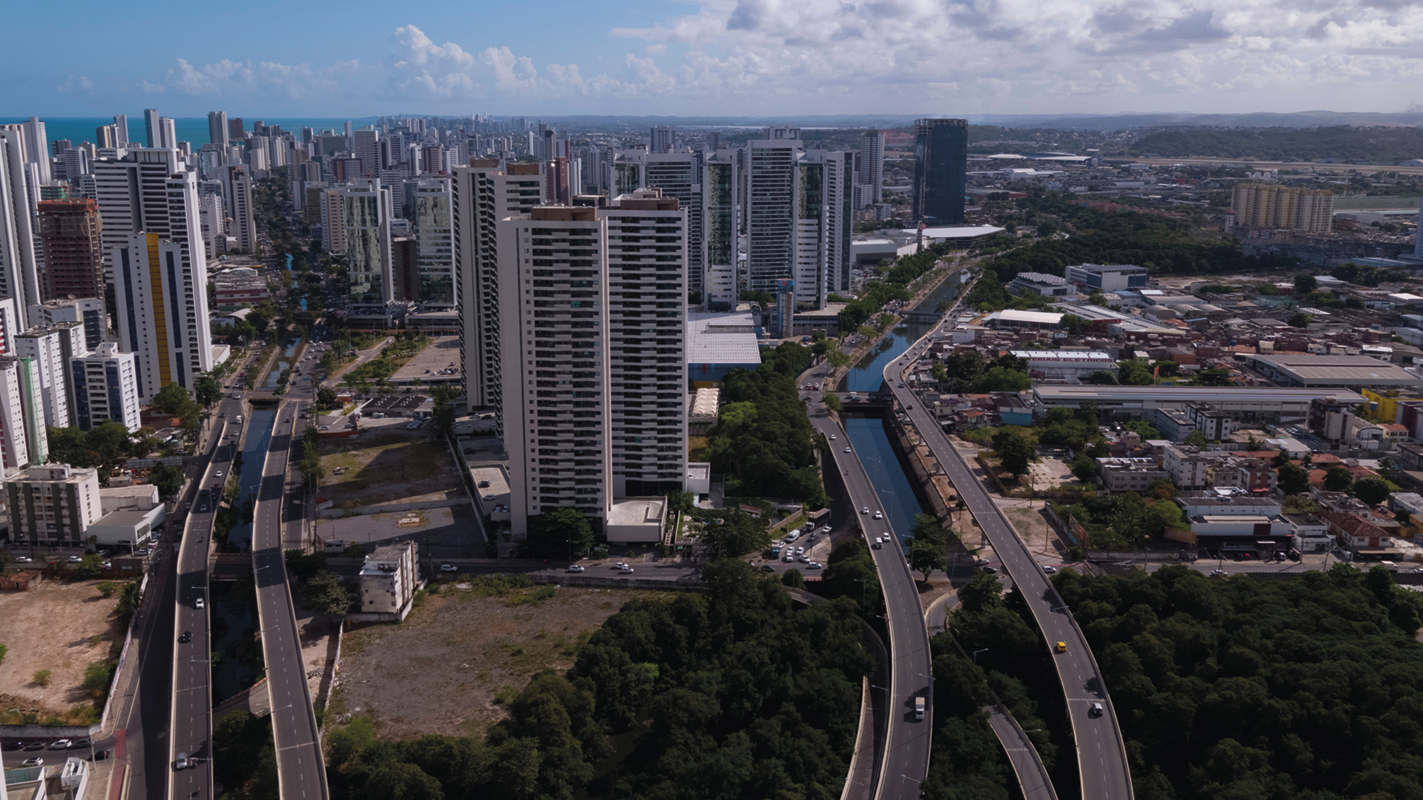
<point>89,311</point>
<point>37,148</point>
<point>554,338</point>
<point>19,266</point>
<point>646,273</point>
<point>105,385</point>
<point>799,218</point>
<point>51,348</point>
<point>663,138</point>
<point>213,222</point>
<point>482,194</point>
<point>238,184</point>
<point>23,439</point>
<point>162,317</point>
<point>679,175</point>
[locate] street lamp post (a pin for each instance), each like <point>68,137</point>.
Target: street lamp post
<point>975,655</point>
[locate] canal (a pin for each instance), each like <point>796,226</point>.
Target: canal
<point>283,361</point>
<point>870,434</point>
<point>254,456</point>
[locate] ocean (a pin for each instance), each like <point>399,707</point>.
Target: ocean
<point>193,130</point>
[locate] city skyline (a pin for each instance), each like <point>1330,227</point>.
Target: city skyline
<point>718,57</point>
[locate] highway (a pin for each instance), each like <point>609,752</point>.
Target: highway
<point>300,771</point>
<point>1101,753</point>
<point>190,723</point>
<point>906,756</point>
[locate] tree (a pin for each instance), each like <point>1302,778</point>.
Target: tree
<point>172,398</point>
<point>999,379</point>
<point>982,593</point>
<point>1196,439</point>
<point>1143,429</point>
<point>1338,479</point>
<point>324,594</point>
<point>1014,452</point>
<point>1371,490</point>
<point>167,479</point>
<point>833,403</point>
<point>325,398</point>
<point>1212,377</point>
<point>1168,369</point>
<point>1084,468</point>
<point>209,391</point>
<point>793,579</point>
<point>735,533</point>
<point>1304,284</point>
<point>129,599</point>
<point>1073,324</point>
<point>1299,319</point>
<point>561,533</point>
<point>1102,378</point>
<point>88,567</point>
<point>928,547</point>
<point>444,397</point>
<point>1161,489</point>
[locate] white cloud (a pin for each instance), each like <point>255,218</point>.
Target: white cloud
<point>75,83</point>
<point>841,56</point>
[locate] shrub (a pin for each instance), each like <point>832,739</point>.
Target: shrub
<point>41,677</point>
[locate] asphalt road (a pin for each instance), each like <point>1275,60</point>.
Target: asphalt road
<point>906,759</point>
<point>300,771</point>
<point>1101,753</point>
<point>191,710</point>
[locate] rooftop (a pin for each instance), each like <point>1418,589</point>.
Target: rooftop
<point>721,339</point>
<point>1320,370</point>
<point>1186,394</point>
<point>636,510</point>
<point>955,232</point>
<point>1040,277</point>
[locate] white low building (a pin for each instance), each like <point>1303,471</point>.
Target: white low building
<point>388,582</point>
<point>637,520</point>
<point>1066,364</point>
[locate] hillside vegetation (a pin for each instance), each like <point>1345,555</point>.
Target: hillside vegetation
<point>1341,143</point>
<point>1302,690</point>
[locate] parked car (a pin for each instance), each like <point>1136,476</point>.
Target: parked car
<point>23,560</point>
<point>75,559</point>
<point>991,570</point>
<point>33,746</point>
<point>13,746</point>
<point>1049,569</point>
<point>449,568</point>
<point>813,565</point>
<point>59,744</point>
<point>32,762</point>
<point>825,529</point>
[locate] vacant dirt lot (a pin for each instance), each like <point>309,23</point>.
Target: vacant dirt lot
<point>387,465</point>
<point>441,669</point>
<point>61,627</point>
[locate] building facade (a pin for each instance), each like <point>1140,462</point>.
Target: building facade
<point>51,348</point>
<point>106,388</point>
<point>52,506</point>
<point>73,249</point>
<point>162,311</point>
<point>940,171</point>
<point>1259,205</point>
<point>89,311</point>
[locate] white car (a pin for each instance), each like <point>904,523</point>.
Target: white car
<point>813,565</point>
<point>1049,569</point>
<point>621,565</point>
<point>449,568</point>
<point>878,515</point>
<point>825,529</point>
<point>625,570</point>
<point>198,604</point>
<point>832,437</point>
<point>865,510</point>
<point>789,558</point>
<point>22,559</point>
<point>217,474</point>
<point>847,449</point>
<point>575,568</point>
<point>799,550</point>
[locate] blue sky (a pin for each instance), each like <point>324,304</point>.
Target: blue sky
<point>757,57</point>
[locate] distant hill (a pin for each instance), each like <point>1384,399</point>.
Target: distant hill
<point>1374,145</point>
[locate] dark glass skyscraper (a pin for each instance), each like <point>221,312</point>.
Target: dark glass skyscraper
<point>940,169</point>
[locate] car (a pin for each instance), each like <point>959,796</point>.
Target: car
<point>1216,573</point>
<point>182,762</point>
<point>865,510</point>
<point>1061,647</point>
<point>198,604</point>
<point>33,746</point>
<point>847,449</point>
<point>217,474</point>
<point>626,570</point>
<point>620,565</point>
<point>813,565</point>
<point>789,558</point>
<point>981,562</point>
<point>449,568</point>
<point>832,437</point>
<point>13,746</point>
<point>878,543</point>
<point>575,568</point>
<point>103,754</point>
<point>186,637</point>
<point>59,744</point>
<point>991,570</point>
<point>107,565</point>
<point>792,536</point>
<point>1049,569</point>
<point>825,529</point>
<point>767,568</point>
<point>878,515</point>
<point>799,550</point>
<point>203,509</point>
<point>23,560</point>
<point>1095,710</point>
<point>32,762</point>
<point>75,559</point>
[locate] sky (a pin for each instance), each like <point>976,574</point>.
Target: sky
<point>719,57</point>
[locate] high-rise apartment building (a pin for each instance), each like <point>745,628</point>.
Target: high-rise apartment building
<point>106,388</point>
<point>333,222</point>
<point>554,337</point>
<point>167,133</point>
<point>663,138</point>
<point>646,274</point>
<point>432,223</point>
<point>678,175</point>
<point>940,171</point>
<point>150,126</point>
<point>1259,205</point>
<point>51,348</point>
<point>88,311</point>
<point>235,130</point>
<point>482,194</point>
<point>106,137</point>
<point>19,263</point>
<point>73,249</point>
<point>121,130</point>
<point>217,129</point>
<point>799,218</point>
<point>23,440</point>
<point>240,210</point>
<point>367,148</point>
<point>161,291</point>
<point>1418,236</point>
<point>720,223</point>
<point>366,225</point>
<point>37,147</point>
<point>52,506</point>
<point>871,177</point>
<point>213,222</point>
<point>132,193</point>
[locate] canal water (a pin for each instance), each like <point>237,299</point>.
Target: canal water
<point>289,269</point>
<point>870,434</point>
<point>283,361</point>
<point>254,455</point>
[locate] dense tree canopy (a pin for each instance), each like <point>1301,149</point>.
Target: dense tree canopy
<point>1350,144</point>
<point>1235,688</point>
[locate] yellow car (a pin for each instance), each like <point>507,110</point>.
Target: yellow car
<point>1062,647</point>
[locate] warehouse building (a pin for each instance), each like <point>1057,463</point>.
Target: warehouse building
<point>1263,404</point>
<point>1307,370</point>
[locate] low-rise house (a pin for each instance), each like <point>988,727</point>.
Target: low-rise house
<point>1359,536</point>
<point>1310,534</point>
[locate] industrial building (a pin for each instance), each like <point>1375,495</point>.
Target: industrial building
<point>1321,371</point>
<point>1069,365</point>
<point>1242,403</point>
<point>1107,278</point>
